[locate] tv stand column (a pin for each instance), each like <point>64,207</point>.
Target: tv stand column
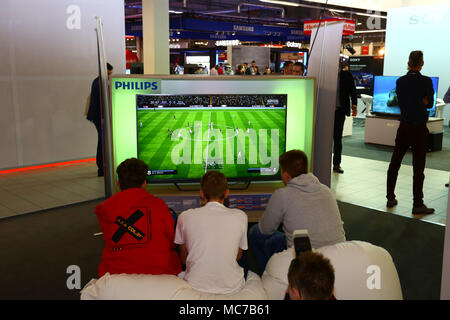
<point>383,130</point>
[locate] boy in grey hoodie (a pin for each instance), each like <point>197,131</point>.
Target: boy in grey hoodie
<point>304,203</point>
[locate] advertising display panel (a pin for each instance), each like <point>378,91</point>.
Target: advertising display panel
<point>183,127</point>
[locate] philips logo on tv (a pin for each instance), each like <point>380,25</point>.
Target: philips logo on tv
<point>134,85</point>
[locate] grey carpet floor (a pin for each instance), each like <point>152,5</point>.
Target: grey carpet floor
<point>38,248</point>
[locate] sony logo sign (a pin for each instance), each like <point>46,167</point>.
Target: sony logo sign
<point>430,18</point>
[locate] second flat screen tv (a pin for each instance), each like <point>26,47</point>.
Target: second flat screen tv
<point>181,137</point>
<point>384,96</point>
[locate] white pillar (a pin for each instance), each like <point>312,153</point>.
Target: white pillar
<point>445,280</point>
<point>323,64</point>
<point>155,32</point>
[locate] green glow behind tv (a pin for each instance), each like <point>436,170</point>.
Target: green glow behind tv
<point>300,104</point>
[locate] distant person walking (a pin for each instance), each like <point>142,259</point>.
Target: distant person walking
<point>94,115</point>
<point>345,97</point>
<point>287,68</point>
<point>213,71</point>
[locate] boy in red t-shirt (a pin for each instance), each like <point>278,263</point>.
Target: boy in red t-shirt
<point>138,228</point>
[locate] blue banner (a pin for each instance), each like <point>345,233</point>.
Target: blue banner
<point>241,28</point>
<point>213,30</point>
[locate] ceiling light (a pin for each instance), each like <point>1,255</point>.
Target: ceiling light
<point>370,15</point>
<point>176,12</point>
<point>335,10</point>
<point>285,3</point>
<point>371,31</point>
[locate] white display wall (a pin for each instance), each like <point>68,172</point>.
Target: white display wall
<point>49,59</point>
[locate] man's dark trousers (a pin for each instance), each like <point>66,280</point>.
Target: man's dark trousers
<point>339,120</point>
<point>416,136</point>
<point>99,156</point>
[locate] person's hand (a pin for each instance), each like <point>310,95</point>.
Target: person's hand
<point>354,110</point>
<point>425,100</point>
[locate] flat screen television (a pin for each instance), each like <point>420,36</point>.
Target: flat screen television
<point>363,80</point>
<point>384,97</point>
<point>182,136</point>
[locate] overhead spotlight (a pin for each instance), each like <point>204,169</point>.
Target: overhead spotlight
<point>350,49</point>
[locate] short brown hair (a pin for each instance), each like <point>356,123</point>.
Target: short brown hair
<point>294,162</point>
<point>312,275</point>
<point>132,173</point>
<point>415,59</point>
<point>301,65</point>
<point>214,185</point>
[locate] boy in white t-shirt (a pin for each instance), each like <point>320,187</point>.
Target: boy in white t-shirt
<point>212,238</point>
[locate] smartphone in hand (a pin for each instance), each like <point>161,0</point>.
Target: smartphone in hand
<point>301,241</point>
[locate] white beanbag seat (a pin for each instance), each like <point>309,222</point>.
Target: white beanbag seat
<point>363,271</point>
<point>162,287</point>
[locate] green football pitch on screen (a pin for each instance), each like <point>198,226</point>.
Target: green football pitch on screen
<point>183,142</point>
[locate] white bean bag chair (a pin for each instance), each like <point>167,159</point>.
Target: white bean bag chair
<point>162,287</point>
<point>363,271</point>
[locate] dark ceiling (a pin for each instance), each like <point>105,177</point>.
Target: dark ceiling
<point>257,12</point>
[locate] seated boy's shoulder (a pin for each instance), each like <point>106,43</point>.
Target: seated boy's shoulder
<point>187,212</point>
<point>152,201</point>
<point>238,213</point>
<point>280,192</point>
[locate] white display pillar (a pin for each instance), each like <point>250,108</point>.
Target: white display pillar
<point>324,64</point>
<point>445,280</point>
<point>155,32</point>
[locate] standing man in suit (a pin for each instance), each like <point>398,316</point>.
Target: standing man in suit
<point>345,97</point>
<point>95,115</point>
<point>415,94</point>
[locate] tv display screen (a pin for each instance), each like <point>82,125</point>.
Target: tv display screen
<point>384,96</point>
<point>363,80</point>
<point>181,137</point>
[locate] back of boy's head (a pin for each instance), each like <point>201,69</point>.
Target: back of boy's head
<point>312,275</point>
<point>214,185</point>
<point>294,162</point>
<point>132,173</point>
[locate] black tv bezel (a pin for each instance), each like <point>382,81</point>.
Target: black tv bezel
<point>276,177</point>
<point>398,114</point>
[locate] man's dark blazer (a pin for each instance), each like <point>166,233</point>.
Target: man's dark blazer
<point>347,91</point>
<point>94,113</point>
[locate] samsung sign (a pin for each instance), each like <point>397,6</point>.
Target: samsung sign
<point>243,28</point>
